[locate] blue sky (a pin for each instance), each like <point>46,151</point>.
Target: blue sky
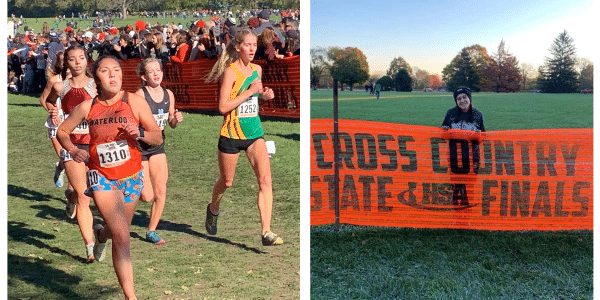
<point>429,33</point>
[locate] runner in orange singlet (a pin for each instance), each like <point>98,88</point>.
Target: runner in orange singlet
<point>115,178</point>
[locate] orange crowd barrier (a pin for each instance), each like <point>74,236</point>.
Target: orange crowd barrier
<point>403,176</point>
<point>186,80</point>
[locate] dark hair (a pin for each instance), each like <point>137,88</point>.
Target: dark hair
<point>466,91</point>
<point>63,74</point>
<point>95,69</point>
<point>462,90</point>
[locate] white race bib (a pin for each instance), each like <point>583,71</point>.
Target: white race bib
<point>113,154</point>
<point>162,120</point>
<point>82,128</point>
<point>92,178</point>
<point>249,108</point>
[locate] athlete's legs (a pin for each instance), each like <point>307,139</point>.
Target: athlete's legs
<point>259,159</point>
<point>117,215</point>
<point>56,146</point>
<point>147,192</point>
<point>159,174</point>
<point>76,173</point>
<point>227,163</point>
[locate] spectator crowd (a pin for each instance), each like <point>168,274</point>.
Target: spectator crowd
<point>32,56</point>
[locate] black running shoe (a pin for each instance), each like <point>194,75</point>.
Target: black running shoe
<point>211,221</point>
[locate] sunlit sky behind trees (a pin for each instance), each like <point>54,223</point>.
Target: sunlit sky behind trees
<point>429,33</point>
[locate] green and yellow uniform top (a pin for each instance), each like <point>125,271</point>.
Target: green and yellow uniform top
<point>243,123</point>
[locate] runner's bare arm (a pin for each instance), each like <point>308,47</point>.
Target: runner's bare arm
<point>141,110</point>
<point>266,93</point>
<point>225,104</point>
<point>175,116</point>
<point>68,125</point>
<point>47,90</point>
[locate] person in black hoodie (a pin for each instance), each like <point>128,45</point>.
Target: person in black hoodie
<point>466,117</point>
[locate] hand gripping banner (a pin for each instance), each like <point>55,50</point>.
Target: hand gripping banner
<point>427,177</point>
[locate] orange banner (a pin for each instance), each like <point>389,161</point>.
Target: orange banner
<point>186,80</point>
<point>428,177</point>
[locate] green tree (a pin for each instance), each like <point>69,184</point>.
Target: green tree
<point>386,82</point>
<point>461,72</point>
<point>421,79</point>
<point>558,74</point>
<point>586,77</point>
<point>478,60</point>
<point>503,72</point>
<point>403,81</point>
<point>528,76</point>
<point>350,66</point>
<point>319,65</point>
<point>396,65</point>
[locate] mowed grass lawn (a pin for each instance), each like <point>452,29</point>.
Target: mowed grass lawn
<point>46,252</point>
<point>37,23</point>
<point>403,263</point>
<point>501,111</point>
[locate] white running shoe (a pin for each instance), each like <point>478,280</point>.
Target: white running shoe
<point>99,248</point>
<point>71,209</point>
<point>59,171</point>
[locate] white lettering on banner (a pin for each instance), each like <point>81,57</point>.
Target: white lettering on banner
<point>464,125</point>
<point>249,108</point>
<point>113,154</point>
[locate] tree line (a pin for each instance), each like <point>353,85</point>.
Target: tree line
<point>562,71</point>
<point>51,8</point>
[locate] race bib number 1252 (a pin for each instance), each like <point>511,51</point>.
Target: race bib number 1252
<point>249,108</point>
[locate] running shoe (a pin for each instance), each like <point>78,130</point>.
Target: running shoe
<point>71,209</point>
<point>153,237</point>
<point>211,221</point>
<point>270,239</point>
<point>99,248</point>
<point>89,249</point>
<point>58,174</point>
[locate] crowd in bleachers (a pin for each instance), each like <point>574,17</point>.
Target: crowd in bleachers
<point>204,36</point>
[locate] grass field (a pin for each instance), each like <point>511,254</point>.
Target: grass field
<point>46,252</point>
<point>403,263</point>
<point>37,23</point>
<point>501,111</point>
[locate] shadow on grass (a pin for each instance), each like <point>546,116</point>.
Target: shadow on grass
<point>27,194</point>
<point>141,219</point>
<point>25,104</point>
<point>45,211</point>
<point>293,136</point>
<point>18,232</point>
<point>48,281</point>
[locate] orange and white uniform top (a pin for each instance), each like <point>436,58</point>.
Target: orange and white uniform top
<point>113,152</point>
<point>70,98</point>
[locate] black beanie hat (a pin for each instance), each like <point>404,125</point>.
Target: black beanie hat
<point>462,90</point>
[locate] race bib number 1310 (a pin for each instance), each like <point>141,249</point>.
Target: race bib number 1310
<point>113,154</point>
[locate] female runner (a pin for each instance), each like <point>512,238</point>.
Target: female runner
<point>115,178</point>
<point>154,159</point>
<point>54,75</point>
<point>238,101</point>
<point>72,92</point>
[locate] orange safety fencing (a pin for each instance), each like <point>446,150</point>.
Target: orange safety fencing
<point>401,175</point>
<point>186,80</point>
